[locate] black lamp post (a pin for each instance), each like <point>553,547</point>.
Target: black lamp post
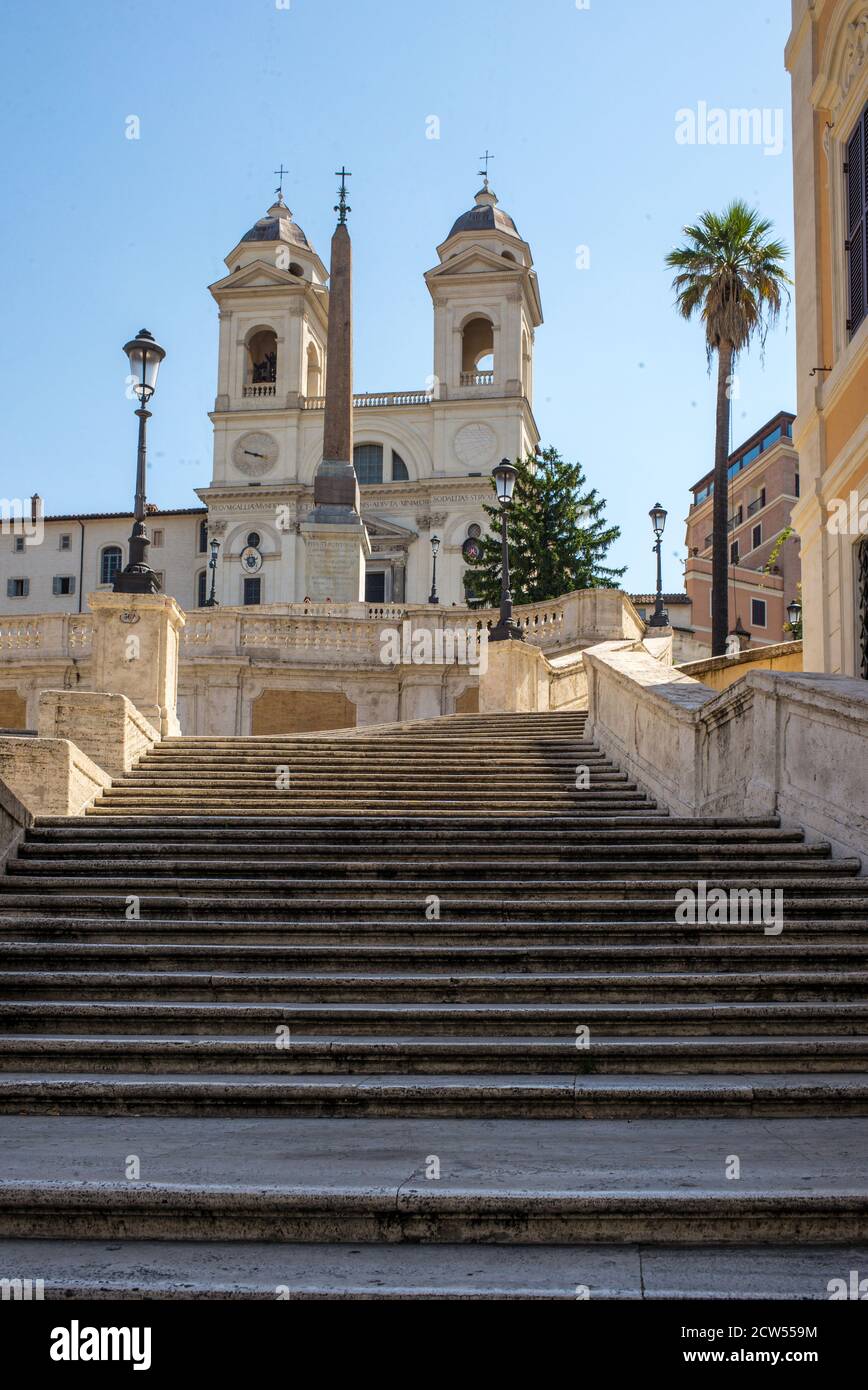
<point>211,601</point>
<point>660,617</point>
<point>435,550</point>
<point>794,618</point>
<point>145,357</point>
<point>506,630</point>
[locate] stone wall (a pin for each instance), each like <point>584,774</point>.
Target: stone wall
<point>719,672</point>
<point>50,776</point>
<point>108,728</point>
<point>773,743</point>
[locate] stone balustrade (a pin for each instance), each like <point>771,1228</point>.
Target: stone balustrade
<point>372,400</point>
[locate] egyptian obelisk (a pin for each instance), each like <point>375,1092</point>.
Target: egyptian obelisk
<point>336,542</point>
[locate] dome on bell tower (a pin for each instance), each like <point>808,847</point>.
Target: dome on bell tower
<point>486,216</point>
<point>277,225</point>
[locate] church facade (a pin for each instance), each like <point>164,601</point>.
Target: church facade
<point>423,457</point>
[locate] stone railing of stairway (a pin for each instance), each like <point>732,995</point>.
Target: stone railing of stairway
<point>572,621</point>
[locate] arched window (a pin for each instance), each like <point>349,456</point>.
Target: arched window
<point>477,350</point>
<point>313,386</point>
<point>201,588</point>
<point>110,562</point>
<point>262,357</point>
<point>368,463</point>
<point>399,469</point>
<point>203,535</point>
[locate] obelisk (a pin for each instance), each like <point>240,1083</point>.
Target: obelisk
<point>335,539</point>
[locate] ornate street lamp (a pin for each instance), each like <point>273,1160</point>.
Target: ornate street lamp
<point>145,357</point>
<point>435,550</point>
<point>794,617</point>
<point>504,476</point>
<point>211,601</point>
<point>660,617</point>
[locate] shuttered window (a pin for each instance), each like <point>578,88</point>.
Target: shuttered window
<point>856,172</point>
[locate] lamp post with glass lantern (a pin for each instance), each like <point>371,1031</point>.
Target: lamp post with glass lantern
<point>211,601</point>
<point>145,356</point>
<point>660,617</point>
<point>435,550</point>
<point>506,630</point>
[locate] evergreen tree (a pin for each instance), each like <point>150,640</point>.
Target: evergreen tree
<point>558,536</point>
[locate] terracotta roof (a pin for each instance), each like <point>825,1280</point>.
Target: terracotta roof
<point>126,516</point>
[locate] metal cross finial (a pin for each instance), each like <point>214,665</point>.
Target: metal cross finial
<point>280,173</point>
<point>486,158</point>
<point>343,207</point>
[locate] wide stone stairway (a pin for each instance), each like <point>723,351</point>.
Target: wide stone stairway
<point>408,1012</point>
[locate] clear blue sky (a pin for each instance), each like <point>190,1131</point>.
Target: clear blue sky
<point>103,235</point>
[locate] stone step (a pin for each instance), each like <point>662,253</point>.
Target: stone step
<point>536,868</point>
<point>412,931</point>
<point>135,1018</point>
<point>406,1272</point>
<point>551,824</point>
<point>38,953</point>
<point>361,1055</point>
<point>451,831</point>
<point>830,1095</point>
<point>577,988</point>
<point>120,842</point>
<point>390,907</point>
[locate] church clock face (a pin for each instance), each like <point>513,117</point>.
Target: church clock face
<point>475,445</point>
<point>255,453</point>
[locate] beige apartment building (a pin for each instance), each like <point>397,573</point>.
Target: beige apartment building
<point>764,572</point>
<point>827,58</point>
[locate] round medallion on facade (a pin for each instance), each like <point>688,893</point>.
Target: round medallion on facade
<point>475,445</point>
<point>472,550</point>
<point>255,453</point>
<point>251,560</point>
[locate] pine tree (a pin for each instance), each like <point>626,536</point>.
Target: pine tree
<point>558,536</point>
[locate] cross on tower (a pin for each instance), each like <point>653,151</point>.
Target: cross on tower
<point>485,158</point>
<point>280,173</point>
<point>343,207</point>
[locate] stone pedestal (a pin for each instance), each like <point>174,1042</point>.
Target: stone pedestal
<point>335,554</point>
<point>136,643</point>
<point>516,679</point>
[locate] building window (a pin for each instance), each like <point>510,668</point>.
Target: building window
<point>856,218</point>
<point>110,562</point>
<point>201,588</point>
<point>757,612</point>
<point>375,586</point>
<point>252,591</point>
<point>65,542</point>
<point>19,544</point>
<point>862,583</point>
<point>17,588</point>
<point>797,485</point>
<point>733,553</point>
<point>368,463</point>
<point>399,469</point>
<point>63,584</point>
<point>156,538</point>
<point>756,536</point>
<point>253,539</point>
<point>203,536</point>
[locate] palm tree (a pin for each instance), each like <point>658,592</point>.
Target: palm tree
<point>732,274</point>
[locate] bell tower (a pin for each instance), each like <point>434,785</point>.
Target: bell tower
<point>486,306</point>
<point>273,331</point>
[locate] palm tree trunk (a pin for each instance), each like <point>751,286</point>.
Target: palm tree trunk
<point>720,533</point>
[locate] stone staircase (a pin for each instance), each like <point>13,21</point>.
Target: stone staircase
<point>289,972</point>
